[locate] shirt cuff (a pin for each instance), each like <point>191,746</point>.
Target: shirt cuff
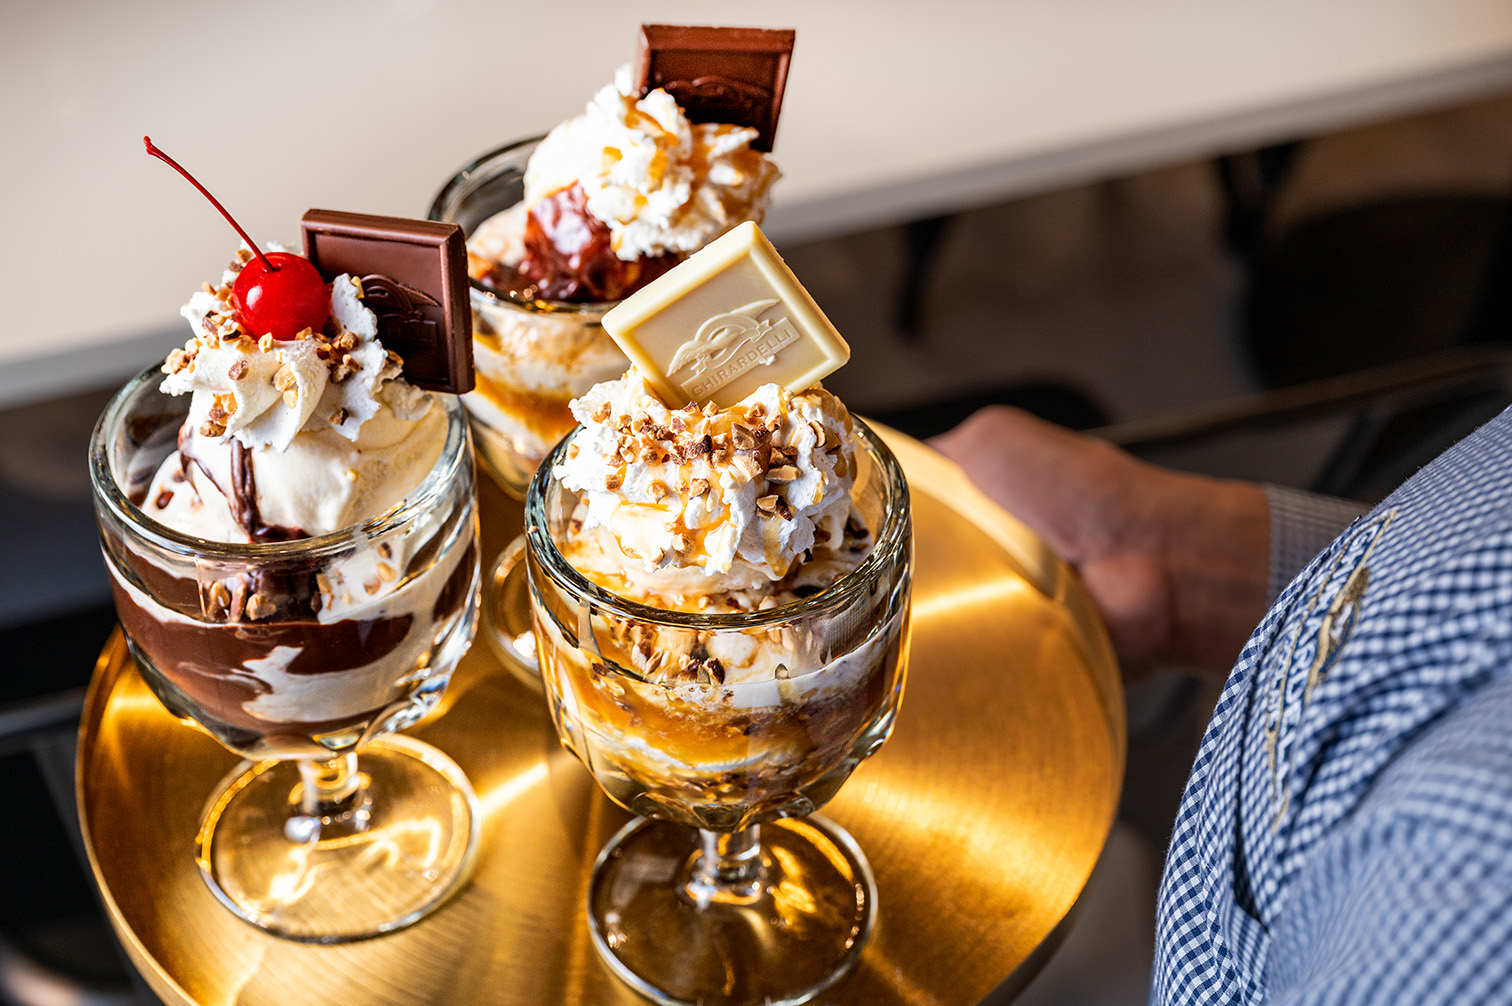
<point>1302,523</point>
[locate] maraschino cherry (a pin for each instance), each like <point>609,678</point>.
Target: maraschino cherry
<point>277,294</point>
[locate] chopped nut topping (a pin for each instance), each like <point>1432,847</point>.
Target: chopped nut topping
<point>259,607</point>
<point>741,435</point>
<point>284,378</point>
<point>177,360</point>
<point>767,504</point>
<point>756,412</point>
<point>819,431</point>
<point>785,473</point>
<point>163,499</point>
<point>291,398</point>
<point>346,340</point>
<point>386,572</point>
<point>691,409</point>
<point>238,370</point>
<point>338,417</point>
<point>208,288</point>
<point>658,491</point>
<point>602,413</point>
<point>341,373</point>
<point>371,586</point>
<point>210,428</point>
<point>572,451</point>
<point>682,541</point>
<point>776,422</point>
<point>747,465</point>
<point>356,282</point>
<point>220,598</point>
<point>697,488</point>
<point>386,550</point>
<point>783,509</point>
<point>679,425</point>
<point>266,343</point>
<point>614,480</point>
<point>217,414</point>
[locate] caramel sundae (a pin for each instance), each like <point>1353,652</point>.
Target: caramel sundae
<point>737,507</point>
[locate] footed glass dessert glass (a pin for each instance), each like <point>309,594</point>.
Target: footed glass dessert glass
<point>297,655</point>
<point>725,890</point>
<point>533,357</point>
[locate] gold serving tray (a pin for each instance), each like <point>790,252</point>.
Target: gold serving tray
<point>982,817</point>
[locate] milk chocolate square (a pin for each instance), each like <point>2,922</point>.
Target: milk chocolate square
<point>729,319</point>
<point>734,75</point>
<point>414,278</point>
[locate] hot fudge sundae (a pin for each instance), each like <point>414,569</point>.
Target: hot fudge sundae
<point>287,518</point>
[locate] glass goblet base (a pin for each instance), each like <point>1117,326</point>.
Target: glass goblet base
<point>771,915</point>
<point>385,842</point>
<point>506,615</point>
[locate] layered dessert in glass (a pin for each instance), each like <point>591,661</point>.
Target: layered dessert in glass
<point>299,649</point>
<point>720,587</point>
<point>728,515</point>
<point>288,522</point>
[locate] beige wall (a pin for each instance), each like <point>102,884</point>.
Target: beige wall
<point>895,108</point>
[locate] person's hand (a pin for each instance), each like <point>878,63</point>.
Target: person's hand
<point>1177,564</point>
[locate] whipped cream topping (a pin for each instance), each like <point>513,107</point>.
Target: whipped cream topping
<point>333,432</point>
<point>263,392</point>
<point>659,182</point>
<point>713,499</point>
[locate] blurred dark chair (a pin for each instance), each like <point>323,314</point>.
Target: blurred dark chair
<point>1399,417</point>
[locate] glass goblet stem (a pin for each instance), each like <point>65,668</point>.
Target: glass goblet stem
<point>334,793</point>
<point>728,869</point>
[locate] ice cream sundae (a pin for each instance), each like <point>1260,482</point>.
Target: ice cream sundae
<point>720,571</point>
<point>560,229</point>
<point>735,511</point>
<point>287,518</point>
<point>318,573</point>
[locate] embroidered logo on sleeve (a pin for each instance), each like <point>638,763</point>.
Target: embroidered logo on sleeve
<point>1318,639</point>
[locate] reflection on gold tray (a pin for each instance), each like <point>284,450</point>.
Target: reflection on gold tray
<point>982,817</point>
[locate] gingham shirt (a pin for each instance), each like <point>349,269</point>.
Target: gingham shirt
<point>1346,834</point>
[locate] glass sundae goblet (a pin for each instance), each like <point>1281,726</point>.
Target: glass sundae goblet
<point>533,357</point>
<point>297,655</point>
<point>726,732</point>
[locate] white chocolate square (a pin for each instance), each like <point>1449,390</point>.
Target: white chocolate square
<point>723,323</point>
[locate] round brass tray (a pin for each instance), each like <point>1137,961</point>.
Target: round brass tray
<point>982,816</point>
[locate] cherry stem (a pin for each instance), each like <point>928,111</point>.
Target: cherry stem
<point>155,152</point>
